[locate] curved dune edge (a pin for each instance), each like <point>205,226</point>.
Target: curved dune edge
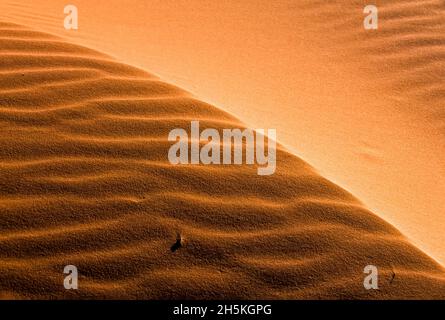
<point>85,180</point>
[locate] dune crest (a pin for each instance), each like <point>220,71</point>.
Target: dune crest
<point>85,181</point>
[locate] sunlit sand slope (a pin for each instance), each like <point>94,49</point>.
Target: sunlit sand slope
<point>85,181</point>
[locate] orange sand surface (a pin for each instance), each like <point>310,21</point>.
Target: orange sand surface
<point>364,107</point>
<point>85,180</point>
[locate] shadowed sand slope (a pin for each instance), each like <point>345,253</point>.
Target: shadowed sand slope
<point>85,180</point>
<point>362,106</point>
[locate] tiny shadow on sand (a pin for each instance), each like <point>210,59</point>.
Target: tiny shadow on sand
<point>177,244</point>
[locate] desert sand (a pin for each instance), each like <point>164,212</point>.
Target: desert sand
<point>364,108</point>
<point>84,180</point>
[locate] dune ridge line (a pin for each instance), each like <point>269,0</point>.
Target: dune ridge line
<point>85,181</point>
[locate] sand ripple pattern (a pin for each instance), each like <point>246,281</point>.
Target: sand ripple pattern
<point>406,56</point>
<point>85,180</point>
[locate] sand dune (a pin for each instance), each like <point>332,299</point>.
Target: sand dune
<point>85,180</point>
<point>362,107</point>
